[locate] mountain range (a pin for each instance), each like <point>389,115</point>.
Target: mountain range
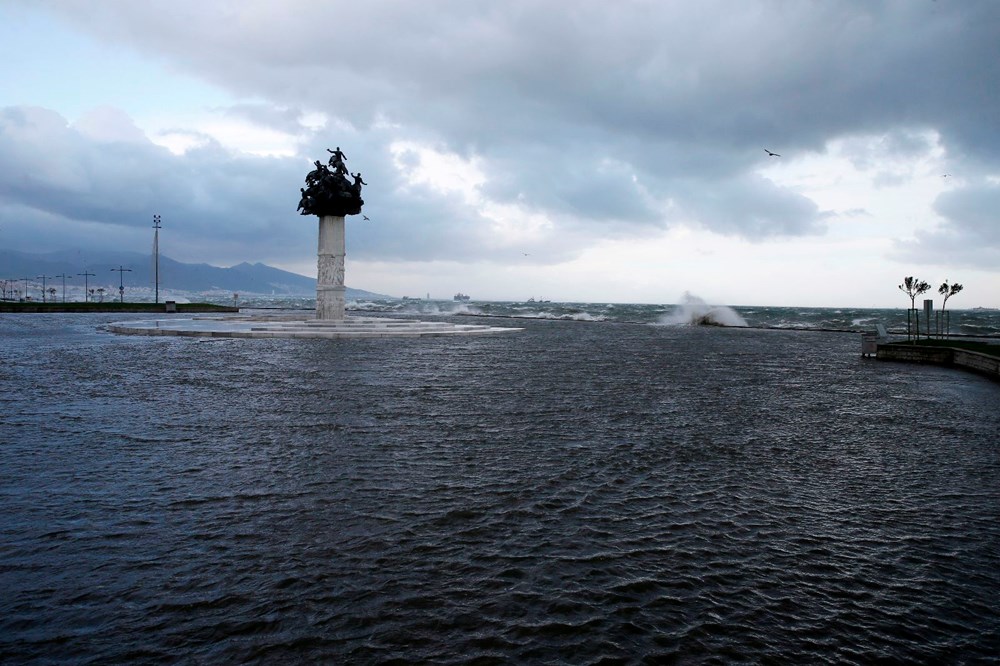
<point>139,273</point>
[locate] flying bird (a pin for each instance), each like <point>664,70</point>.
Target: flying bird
<point>366,217</point>
<point>945,175</point>
<point>770,154</point>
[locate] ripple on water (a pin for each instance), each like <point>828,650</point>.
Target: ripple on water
<point>580,493</point>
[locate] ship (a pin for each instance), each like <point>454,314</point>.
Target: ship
<point>461,297</point>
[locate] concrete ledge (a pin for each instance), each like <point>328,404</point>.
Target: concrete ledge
<point>965,359</point>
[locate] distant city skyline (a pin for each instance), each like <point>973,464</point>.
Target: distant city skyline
<point>755,153</point>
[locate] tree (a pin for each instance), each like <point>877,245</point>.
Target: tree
<point>948,291</point>
<point>100,293</point>
<point>913,287</point>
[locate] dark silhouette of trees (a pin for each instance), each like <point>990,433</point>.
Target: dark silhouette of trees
<point>947,290</point>
<point>913,287</point>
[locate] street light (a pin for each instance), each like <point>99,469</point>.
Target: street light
<point>86,283</point>
<point>156,254</point>
<point>43,278</point>
<point>64,276</point>
<point>121,284</point>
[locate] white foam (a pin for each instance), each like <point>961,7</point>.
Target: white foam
<point>694,311</point>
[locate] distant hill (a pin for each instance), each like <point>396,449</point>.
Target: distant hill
<point>243,278</point>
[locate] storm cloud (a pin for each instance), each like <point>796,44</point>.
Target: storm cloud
<point>595,120</point>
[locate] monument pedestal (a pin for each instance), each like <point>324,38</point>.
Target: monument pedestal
<point>330,268</point>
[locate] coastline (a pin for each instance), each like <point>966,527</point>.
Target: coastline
<point>38,307</point>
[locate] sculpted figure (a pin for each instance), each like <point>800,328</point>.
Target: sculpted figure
<point>329,190</point>
<point>358,182</point>
<point>337,158</point>
<point>316,174</point>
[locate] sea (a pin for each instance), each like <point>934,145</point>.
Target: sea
<point>613,484</point>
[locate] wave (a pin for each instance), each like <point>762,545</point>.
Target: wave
<point>694,311</point>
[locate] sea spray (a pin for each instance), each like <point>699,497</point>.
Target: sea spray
<point>694,311</point>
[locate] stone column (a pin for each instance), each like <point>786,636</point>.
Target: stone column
<point>330,268</point>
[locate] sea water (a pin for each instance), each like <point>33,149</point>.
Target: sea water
<point>605,486</point>
<point>691,309</point>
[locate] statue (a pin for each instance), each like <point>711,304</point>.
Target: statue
<point>328,190</point>
<point>336,158</point>
<point>358,182</point>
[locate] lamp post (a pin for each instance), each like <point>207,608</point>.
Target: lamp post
<point>63,276</point>
<point>121,283</point>
<point>25,292</point>
<point>86,283</point>
<point>43,278</point>
<point>156,255</point>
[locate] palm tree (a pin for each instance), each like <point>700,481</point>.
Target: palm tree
<point>913,287</point>
<point>100,294</point>
<point>52,294</point>
<point>948,291</point>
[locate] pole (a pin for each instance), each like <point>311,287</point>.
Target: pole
<point>121,283</point>
<point>25,296</point>
<point>63,276</point>
<point>156,254</point>
<point>43,278</point>
<point>86,284</point>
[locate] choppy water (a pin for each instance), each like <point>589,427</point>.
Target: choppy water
<point>970,322</point>
<point>580,492</point>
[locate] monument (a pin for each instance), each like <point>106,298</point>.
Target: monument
<point>331,196</point>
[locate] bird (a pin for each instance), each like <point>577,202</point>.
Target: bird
<point>945,175</point>
<point>770,154</point>
<point>366,217</point>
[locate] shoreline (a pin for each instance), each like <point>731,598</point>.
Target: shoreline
<point>180,308</point>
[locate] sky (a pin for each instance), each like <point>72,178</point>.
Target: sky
<point>569,151</point>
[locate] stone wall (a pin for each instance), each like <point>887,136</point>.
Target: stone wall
<point>948,356</point>
<point>988,365</point>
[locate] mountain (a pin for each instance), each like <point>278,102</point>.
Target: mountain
<point>139,273</point>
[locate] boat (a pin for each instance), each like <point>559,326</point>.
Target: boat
<point>461,297</point>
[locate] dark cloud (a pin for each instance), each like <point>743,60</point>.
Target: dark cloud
<point>608,119</point>
<point>66,178</point>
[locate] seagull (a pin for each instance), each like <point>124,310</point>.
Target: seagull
<point>770,154</point>
<point>945,175</point>
<point>366,217</point>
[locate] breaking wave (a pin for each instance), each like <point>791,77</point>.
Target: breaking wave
<point>694,311</point>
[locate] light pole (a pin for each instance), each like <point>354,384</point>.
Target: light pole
<point>121,284</point>
<point>25,297</point>
<point>156,255</point>
<point>64,276</point>
<point>86,283</point>
<point>43,278</point>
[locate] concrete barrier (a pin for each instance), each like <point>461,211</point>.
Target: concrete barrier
<point>965,359</point>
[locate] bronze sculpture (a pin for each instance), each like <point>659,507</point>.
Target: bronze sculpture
<point>328,190</point>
